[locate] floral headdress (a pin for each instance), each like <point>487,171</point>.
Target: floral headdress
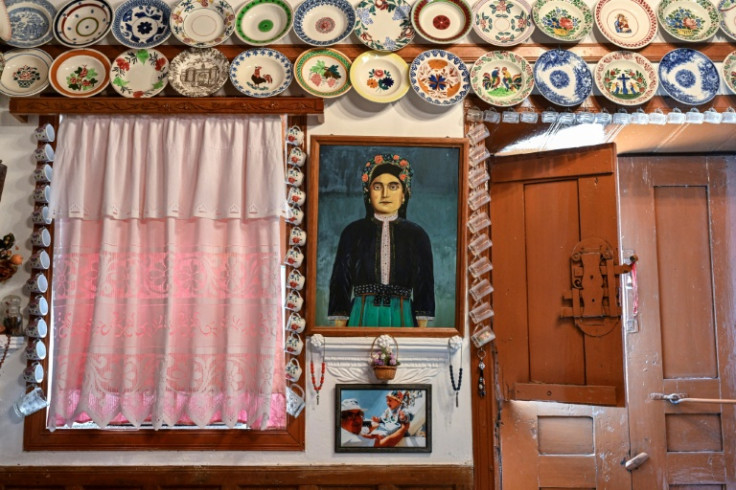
<point>405,175</point>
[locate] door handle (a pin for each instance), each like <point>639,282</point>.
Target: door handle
<point>677,398</point>
<point>636,461</point>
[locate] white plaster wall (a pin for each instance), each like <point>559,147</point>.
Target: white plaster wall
<point>425,359</point>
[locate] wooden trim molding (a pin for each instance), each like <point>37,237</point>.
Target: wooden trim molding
<point>363,477</point>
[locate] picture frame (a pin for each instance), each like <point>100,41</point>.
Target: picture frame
<point>396,418</point>
<point>437,204</point>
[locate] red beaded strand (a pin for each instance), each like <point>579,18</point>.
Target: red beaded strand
<point>321,378</point>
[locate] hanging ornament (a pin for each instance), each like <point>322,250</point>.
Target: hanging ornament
<point>454,344</point>
<point>317,341</point>
<point>481,377</point>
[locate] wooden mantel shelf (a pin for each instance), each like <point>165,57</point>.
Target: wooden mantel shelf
<point>21,108</point>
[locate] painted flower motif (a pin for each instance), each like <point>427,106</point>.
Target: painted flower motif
<point>365,177</point>
<point>566,23</point>
<point>160,63</point>
<point>690,23</point>
<point>403,163</point>
<point>378,159</point>
<point>381,4</point>
<point>122,64</point>
<point>378,72</point>
<point>437,82</point>
<point>144,27</point>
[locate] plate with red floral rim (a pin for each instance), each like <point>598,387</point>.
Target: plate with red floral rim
<point>626,78</point>
<point>630,24</point>
<point>139,73</point>
<point>729,71</point>
<point>380,77</point>
<point>324,72</point>
<point>502,78</point>
<point>442,21</point>
<point>439,77</point>
<point>503,22</point>
<point>80,73</point>
<point>689,20</point>
<point>728,14</point>
<point>384,25</point>
<point>564,20</point>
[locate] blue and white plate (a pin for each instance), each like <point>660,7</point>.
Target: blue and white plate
<point>30,21</point>
<point>81,23</point>
<point>439,77</point>
<point>324,22</point>
<point>261,72</point>
<point>689,76</point>
<point>142,23</point>
<point>563,77</point>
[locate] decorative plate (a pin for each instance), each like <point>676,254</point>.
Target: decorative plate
<point>261,72</point>
<point>502,78</point>
<point>564,20</point>
<point>728,14</point>
<point>729,71</point>
<point>2,63</point>
<point>688,76</point>
<point>26,72</point>
<point>384,25</point>
<point>324,22</point>
<point>81,23</point>
<point>141,23</point>
<point>442,21</point>
<point>323,72</point>
<point>262,22</point>
<point>626,78</point>
<point>139,73</point>
<point>30,22</point>
<point>380,77</point>
<point>503,22</point>
<point>689,20</point>
<point>630,24</point>
<point>562,77</point>
<point>80,73</point>
<point>439,77</point>
<point>202,23</point>
<point>198,72</point>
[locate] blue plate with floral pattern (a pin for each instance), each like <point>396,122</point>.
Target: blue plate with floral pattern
<point>563,77</point>
<point>439,77</point>
<point>689,76</point>
<point>142,23</point>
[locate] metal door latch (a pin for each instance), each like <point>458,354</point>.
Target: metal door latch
<point>596,306</point>
<point>636,461</point>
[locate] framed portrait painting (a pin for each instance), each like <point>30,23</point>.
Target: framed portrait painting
<point>383,418</point>
<point>386,230</point>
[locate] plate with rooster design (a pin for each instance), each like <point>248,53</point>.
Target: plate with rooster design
<point>323,72</point>
<point>502,78</point>
<point>261,72</point>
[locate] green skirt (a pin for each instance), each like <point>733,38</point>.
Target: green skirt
<point>365,314</point>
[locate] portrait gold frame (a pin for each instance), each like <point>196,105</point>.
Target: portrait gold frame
<point>321,145</point>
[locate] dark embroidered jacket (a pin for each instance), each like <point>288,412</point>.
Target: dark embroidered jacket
<point>358,264</point>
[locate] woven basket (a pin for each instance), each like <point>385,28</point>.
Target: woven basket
<point>385,373</point>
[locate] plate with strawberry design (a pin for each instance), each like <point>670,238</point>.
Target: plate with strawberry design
<point>323,72</point>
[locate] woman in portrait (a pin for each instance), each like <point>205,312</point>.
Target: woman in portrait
<point>383,271</point>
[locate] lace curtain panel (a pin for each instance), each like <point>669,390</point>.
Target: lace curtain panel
<point>167,286</point>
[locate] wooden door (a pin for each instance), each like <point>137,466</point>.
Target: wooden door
<point>678,214</point>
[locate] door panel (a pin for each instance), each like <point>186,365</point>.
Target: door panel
<point>677,214</point>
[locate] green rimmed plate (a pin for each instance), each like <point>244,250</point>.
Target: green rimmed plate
<point>323,72</point>
<point>564,20</point>
<point>689,20</point>
<point>262,22</point>
<point>502,78</point>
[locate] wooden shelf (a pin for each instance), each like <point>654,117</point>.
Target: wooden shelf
<point>23,107</point>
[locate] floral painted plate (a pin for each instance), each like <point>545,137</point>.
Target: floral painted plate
<point>80,73</point>
<point>30,22</point>
<point>202,23</point>
<point>564,20</point>
<point>729,71</point>
<point>323,72</point>
<point>626,78</point>
<point>141,23</point>
<point>198,72</point>
<point>139,73</point>
<point>689,20</point>
<point>81,23</point>
<point>262,22</point>
<point>442,21</point>
<point>384,25</point>
<point>26,72</point>
<point>728,14</point>
<point>563,77</point>
<point>439,77</point>
<point>503,22</point>
<point>688,76</point>
<point>261,72</point>
<point>380,77</point>
<point>630,24</point>
<point>502,78</point>
<point>324,22</point>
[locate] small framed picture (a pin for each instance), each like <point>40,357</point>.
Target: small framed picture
<point>377,418</point>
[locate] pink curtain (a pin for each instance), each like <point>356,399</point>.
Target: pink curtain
<point>167,286</point>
